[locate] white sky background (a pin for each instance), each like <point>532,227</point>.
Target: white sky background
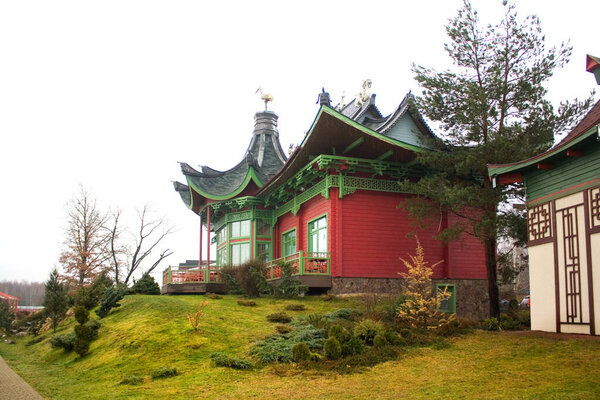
<point>112,94</point>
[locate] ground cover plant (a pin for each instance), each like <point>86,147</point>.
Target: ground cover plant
<point>150,332</point>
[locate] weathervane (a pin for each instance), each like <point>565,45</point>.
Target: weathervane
<point>264,97</point>
<point>364,94</point>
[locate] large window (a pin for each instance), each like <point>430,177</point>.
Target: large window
<point>222,235</point>
<point>263,251</point>
<point>240,228</point>
<point>288,243</point>
<point>262,229</point>
<point>240,253</point>
<point>222,256</point>
<point>317,235</point>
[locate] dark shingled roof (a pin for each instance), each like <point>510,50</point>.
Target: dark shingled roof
<point>262,160</point>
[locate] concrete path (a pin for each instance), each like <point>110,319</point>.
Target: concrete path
<point>13,387</point>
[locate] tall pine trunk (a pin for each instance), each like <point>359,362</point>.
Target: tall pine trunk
<point>491,264</point>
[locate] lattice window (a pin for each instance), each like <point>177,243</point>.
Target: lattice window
<point>571,264</point>
<point>594,202</point>
<point>539,222</point>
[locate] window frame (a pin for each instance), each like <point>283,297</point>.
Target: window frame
<point>284,242</point>
<point>451,287</point>
<point>310,232</point>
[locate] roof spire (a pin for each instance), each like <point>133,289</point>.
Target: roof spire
<point>324,98</point>
<point>264,97</point>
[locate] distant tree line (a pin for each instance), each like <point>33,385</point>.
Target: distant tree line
<point>31,293</point>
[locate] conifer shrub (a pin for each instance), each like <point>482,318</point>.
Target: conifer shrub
<point>223,360</point>
<point>295,307</point>
<point>317,320</point>
<point>352,346</point>
<point>250,278</point>
<point>283,329</point>
<point>343,313</point>
<point>82,315</point>
<point>281,317</point>
<point>145,285</point>
<point>489,324</point>
<point>83,332</point>
<point>367,329</point>
<point>164,372</point>
<point>110,300</point>
<point>65,342</point>
<point>228,274</point>
<point>278,348</point>
<point>247,303</point>
<point>289,286</point>
<point>379,341</point>
<point>394,339</point>
<point>7,315</point>
<point>338,332</point>
<point>94,326</point>
<point>332,348</point>
<point>300,352</point>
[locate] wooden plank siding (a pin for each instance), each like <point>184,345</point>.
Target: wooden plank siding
<point>466,256</point>
<point>566,173</point>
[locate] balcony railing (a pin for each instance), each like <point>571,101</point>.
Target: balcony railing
<point>303,263</point>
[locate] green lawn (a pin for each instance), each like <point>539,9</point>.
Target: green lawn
<point>148,332</point>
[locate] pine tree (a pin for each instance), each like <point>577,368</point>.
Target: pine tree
<point>492,108</point>
<point>56,300</point>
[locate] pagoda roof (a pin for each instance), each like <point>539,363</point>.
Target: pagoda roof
<point>263,158</point>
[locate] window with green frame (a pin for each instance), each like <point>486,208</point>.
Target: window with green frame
<point>263,251</point>
<point>240,253</point>
<point>288,243</point>
<point>448,304</point>
<point>317,235</point>
<point>222,256</point>
<point>221,235</point>
<point>262,228</point>
<point>240,228</point>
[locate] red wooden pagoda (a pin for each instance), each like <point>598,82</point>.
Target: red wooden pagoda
<point>331,207</point>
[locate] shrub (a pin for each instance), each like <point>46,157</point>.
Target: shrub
<point>65,342</point>
<point>83,298</point>
<point>379,341</point>
<point>352,346</point>
<point>489,324</point>
<point>195,319</point>
<point>316,357</point>
<point>317,320</point>
<point>332,348</point>
<point>250,278</point>
<point>131,380</point>
<point>213,296</point>
<point>279,317</point>
<point>300,352</point>
<point>82,315</point>
<point>94,325</point>
<point>223,360</point>
<point>145,285</point>
<point>524,318</point>
<point>295,307</point>
<point>35,340</point>
<point>228,274</point>
<point>279,347</point>
<point>328,297</point>
<point>451,328</point>
<point>164,372</point>
<point>338,332</point>
<point>283,329</point>
<point>390,309</point>
<point>342,313</point>
<point>83,332</point>
<point>288,286</point>
<point>394,339</point>
<point>247,303</point>
<point>110,300</point>
<point>367,329</point>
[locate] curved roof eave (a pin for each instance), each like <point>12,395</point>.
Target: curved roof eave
<point>250,175</point>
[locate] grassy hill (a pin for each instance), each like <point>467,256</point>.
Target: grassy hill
<point>149,332</point>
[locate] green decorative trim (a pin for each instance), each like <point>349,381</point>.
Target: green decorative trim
<point>354,145</point>
<point>563,193</point>
<point>310,231</point>
<point>250,175</point>
<point>385,155</point>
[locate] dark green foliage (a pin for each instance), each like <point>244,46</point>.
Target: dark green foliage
<point>81,346</point>
<point>490,324</point>
<point>89,296</point>
<point>493,108</point>
<point>283,329</point>
<point>83,297</point>
<point>164,372</point>
<point>250,278</point>
<point>288,286</point>
<point>394,339</point>
<point>525,318</point>
<point>450,329</point>
<point>317,320</point>
<point>339,333</point>
<point>278,348</point>
<point>380,341</point>
<point>247,303</point>
<point>328,297</point>
<point>390,309</point>
<point>343,313</point>
<point>7,316</point>
<point>295,307</point>
<point>84,332</point>
<point>56,299</point>
<point>367,329</point>
<point>300,352</point>
<point>515,321</point>
<point>145,285</point>
<point>279,317</point>
<point>368,358</point>
<point>110,300</point>
<point>81,315</point>
<point>131,380</point>
<point>352,346</point>
<point>65,342</point>
<point>94,325</point>
<point>332,348</point>
<point>213,296</point>
<point>513,306</point>
<point>228,274</point>
<point>223,360</point>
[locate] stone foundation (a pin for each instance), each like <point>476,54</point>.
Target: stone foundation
<point>471,294</point>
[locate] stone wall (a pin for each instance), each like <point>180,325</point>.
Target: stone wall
<point>471,294</point>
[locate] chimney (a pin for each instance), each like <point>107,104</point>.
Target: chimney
<point>593,66</point>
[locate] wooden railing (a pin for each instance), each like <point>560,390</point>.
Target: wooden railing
<point>303,263</point>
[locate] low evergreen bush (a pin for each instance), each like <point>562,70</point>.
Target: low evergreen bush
<point>131,380</point>
<point>289,286</point>
<point>65,342</point>
<point>35,340</point>
<point>164,372</point>
<point>379,341</point>
<point>394,339</point>
<point>489,324</point>
<point>343,313</point>
<point>281,317</point>
<point>223,360</point>
<point>338,332</point>
<point>332,348</point>
<point>145,285</point>
<point>247,303</point>
<point>110,300</point>
<point>317,320</point>
<point>283,329</point>
<point>367,329</point>
<point>300,352</point>
<point>278,348</point>
<point>295,307</point>
<point>352,346</point>
<point>213,296</point>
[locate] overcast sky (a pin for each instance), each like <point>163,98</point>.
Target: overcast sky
<point>112,94</point>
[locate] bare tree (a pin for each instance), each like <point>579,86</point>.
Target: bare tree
<point>117,249</point>
<point>149,235</point>
<point>85,251</point>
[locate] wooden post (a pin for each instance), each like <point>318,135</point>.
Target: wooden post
<point>207,240</point>
<point>200,255</point>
